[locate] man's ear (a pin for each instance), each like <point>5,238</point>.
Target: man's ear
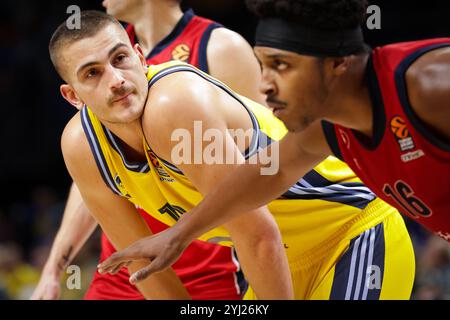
<point>71,96</point>
<point>137,48</point>
<point>340,65</point>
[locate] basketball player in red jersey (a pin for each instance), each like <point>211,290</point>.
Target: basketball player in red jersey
<point>165,33</point>
<point>385,112</point>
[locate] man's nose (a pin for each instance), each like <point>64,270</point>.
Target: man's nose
<point>116,79</point>
<point>267,85</point>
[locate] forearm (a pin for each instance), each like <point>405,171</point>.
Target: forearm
<point>248,187</point>
<point>76,227</point>
<point>264,263</point>
<point>245,189</point>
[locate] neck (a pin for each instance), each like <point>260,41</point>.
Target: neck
<point>131,137</point>
<point>352,106</point>
<point>153,21</point>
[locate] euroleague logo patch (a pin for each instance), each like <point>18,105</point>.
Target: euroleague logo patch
<point>154,160</point>
<point>181,52</point>
<point>401,133</point>
<point>398,127</point>
<point>404,139</point>
<point>163,175</point>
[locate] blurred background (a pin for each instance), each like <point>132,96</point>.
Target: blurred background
<point>34,182</point>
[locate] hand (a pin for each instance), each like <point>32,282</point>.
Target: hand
<point>160,249</point>
<point>48,288</point>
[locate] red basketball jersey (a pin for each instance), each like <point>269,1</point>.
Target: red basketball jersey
<point>187,42</point>
<point>404,163</point>
<point>208,271</point>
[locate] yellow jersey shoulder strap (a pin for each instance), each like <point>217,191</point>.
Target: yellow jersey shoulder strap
<point>95,136</point>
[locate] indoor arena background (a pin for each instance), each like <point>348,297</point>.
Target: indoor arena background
<point>33,179</point>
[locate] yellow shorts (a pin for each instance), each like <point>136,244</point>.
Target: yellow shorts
<point>371,258</point>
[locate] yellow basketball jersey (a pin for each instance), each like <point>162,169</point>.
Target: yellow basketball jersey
<point>318,205</point>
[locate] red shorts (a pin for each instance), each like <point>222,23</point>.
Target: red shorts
<point>208,271</point>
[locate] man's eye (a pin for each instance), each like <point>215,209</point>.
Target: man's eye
<point>91,73</point>
<point>121,58</point>
<point>280,65</point>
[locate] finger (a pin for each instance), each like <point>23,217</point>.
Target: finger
<point>119,266</point>
<point>113,260</point>
<point>145,272</point>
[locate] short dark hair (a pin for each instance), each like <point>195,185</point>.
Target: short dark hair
<point>319,14</point>
<point>91,22</point>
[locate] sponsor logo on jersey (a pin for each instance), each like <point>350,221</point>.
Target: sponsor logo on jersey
<point>163,175</point>
<point>404,139</point>
<point>401,133</point>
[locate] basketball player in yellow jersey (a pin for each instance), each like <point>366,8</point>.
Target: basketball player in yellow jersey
<point>104,71</point>
<point>154,24</point>
<point>332,249</point>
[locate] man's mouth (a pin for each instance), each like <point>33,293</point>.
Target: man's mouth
<point>276,107</point>
<point>122,97</point>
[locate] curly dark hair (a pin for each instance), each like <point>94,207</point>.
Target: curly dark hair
<point>321,14</point>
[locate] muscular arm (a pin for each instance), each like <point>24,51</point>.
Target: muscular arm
<point>298,153</point>
<point>255,233</point>
<point>117,216</point>
<point>241,190</point>
<point>76,227</point>
<point>232,61</point>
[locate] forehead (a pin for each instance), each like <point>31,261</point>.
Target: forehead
<point>268,52</point>
<point>94,48</point>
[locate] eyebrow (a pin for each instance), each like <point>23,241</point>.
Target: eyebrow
<point>277,56</point>
<point>110,53</point>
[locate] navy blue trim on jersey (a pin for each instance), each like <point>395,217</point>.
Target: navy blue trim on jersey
<point>179,28</point>
<point>263,142</point>
<point>330,136</point>
<point>114,141</point>
<point>378,113</point>
<point>256,138</point>
<point>402,91</point>
<point>97,151</point>
<point>359,273</point>
<point>202,49</point>
<point>171,166</point>
<point>314,186</point>
<point>240,278</point>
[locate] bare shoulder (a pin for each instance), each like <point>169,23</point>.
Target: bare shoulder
<point>231,60</point>
<point>177,96</point>
<point>75,147</point>
<point>428,82</point>
<point>73,139</point>
<point>430,74</point>
<point>176,102</point>
<point>225,40</point>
